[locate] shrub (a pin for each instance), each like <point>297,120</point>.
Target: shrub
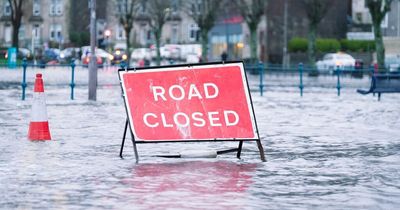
<point>322,45</point>
<point>357,45</point>
<point>327,45</point>
<point>332,45</point>
<point>297,45</point>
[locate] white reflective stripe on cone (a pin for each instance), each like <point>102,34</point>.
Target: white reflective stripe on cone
<point>39,112</point>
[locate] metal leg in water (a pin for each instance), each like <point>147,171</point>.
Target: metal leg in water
<point>239,149</point>
<point>134,148</point>
<point>123,139</point>
<point>261,149</point>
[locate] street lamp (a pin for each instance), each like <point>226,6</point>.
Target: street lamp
<point>107,33</point>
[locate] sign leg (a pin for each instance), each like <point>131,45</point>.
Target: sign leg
<point>134,148</point>
<point>123,139</point>
<point>261,149</point>
<point>239,149</point>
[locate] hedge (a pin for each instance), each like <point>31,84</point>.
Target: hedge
<point>328,45</point>
<point>357,45</point>
<point>298,45</point>
<point>332,45</point>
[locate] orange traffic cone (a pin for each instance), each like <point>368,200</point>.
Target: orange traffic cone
<point>39,125</point>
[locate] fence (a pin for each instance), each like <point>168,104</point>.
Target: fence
<point>258,73</point>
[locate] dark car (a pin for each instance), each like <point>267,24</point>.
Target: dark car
<point>119,56</point>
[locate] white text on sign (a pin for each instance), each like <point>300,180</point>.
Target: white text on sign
<point>197,119</point>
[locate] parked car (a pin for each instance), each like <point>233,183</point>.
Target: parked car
<point>69,53</point>
<point>392,63</point>
<point>333,60</point>
<point>102,57</point>
<point>192,58</point>
<point>164,52</point>
<point>118,56</point>
<point>174,50</point>
<point>49,55</point>
<point>22,53</point>
<point>140,53</point>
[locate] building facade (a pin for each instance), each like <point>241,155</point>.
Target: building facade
<point>44,23</point>
<point>50,23</point>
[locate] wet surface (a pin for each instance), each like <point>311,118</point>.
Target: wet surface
<point>322,151</point>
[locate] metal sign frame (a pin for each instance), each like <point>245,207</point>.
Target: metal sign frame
<point>129,124</point>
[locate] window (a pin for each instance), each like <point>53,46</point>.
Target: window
<point>359,17</point>
<point>194,32</point>
<point>36,8</point>
<point>7,33</point>
<point>55,32</point>
<point>121,7</point>
<point>36,31</point>
<point>7,8</point>
<point>175,6</point>
<point>174,37</point>
<point>120,33</point>
<point>195,8</point>
<point>148,35</point>
<point>21,33</point>
<point>56,7</point>
<point>142,7</point>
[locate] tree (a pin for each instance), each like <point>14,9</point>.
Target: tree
<point>378,10</point>
<point>315,11</point>
<point>252,11</point>
<point>126,15</point>
<point>159,11</point>
<point>204,13</point>
<point>16,17</point>
<point>78,23</point>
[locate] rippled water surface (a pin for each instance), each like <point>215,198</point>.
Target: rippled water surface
<point>323,152</point>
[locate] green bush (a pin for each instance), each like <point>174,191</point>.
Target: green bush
<point>327,45</point>
<point>297,45</point>
<point>332,45</point>
<point>322,45</point>
<point>79,38</point>
<point>357,45</point>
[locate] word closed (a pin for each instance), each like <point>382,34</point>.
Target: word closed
<point>189,103</point>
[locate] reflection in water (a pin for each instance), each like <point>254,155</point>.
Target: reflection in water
<point>196,184</point>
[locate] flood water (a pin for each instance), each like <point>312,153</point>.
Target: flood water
<point>323,152</point>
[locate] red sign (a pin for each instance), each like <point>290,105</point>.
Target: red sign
<point>201,102</point>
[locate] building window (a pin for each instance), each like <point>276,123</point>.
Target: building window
<point>195,8</point>
<point>194,33</point>
<point>55,32</point>
<point>120,33</point>
<point>7,33</point>
<point>120,7</point>
<point>7,8</point>
<point>148,35</point>
<point>174,37</point>
<point>359,17</point>
<point>56,7</point>
<point>21,33</point>
<point>36,31</point>
<point>36,8</point>
<point>142,7</point>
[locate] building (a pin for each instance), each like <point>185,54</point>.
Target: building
<point>361,27</point>
<point>178,29</point>
<point>44,24</point>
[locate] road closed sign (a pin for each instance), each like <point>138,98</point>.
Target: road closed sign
<point>178,103</point>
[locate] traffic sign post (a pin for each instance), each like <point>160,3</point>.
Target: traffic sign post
<point>189,103</point>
